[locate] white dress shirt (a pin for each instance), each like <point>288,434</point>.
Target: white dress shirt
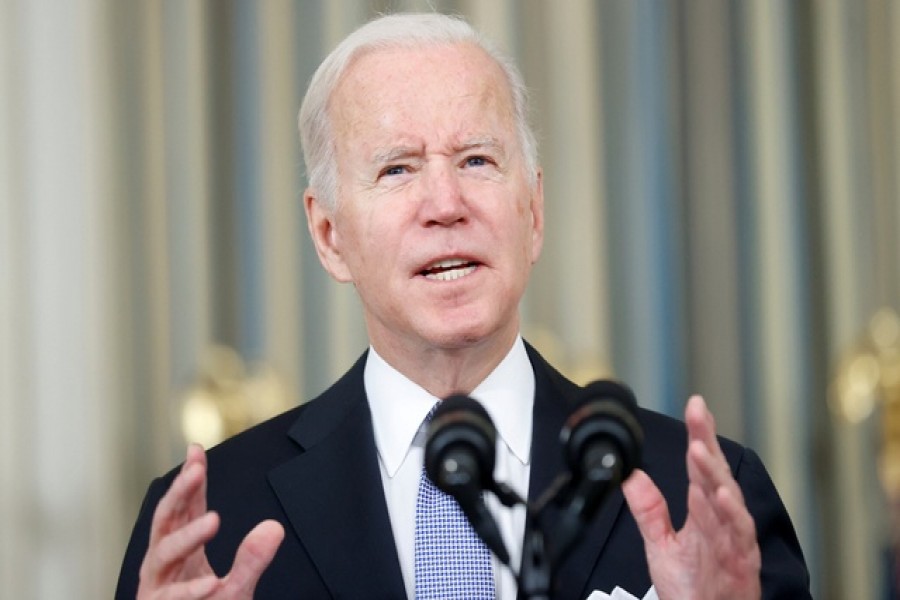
<point>399,408</point>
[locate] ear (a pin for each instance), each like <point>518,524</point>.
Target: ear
<point>324,233</point>
<point>537,217</point>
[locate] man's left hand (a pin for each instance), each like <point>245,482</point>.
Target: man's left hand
<point>715,555</point>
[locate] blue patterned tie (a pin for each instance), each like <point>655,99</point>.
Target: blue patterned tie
<point>451,560</point>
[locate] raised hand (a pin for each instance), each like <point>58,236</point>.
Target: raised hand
<point>715,555</point>
<point>175,566</point>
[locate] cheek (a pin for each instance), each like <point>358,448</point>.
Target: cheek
<point>349,241</point>
<point>535,238</point>
<point>372,250</point>
<point>527,233</point>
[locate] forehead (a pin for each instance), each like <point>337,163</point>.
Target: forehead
<point>441,89</point>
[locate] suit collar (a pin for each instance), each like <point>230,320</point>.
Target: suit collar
<point>554,401</point>
<point>320,488</point>
<point>320,491</point>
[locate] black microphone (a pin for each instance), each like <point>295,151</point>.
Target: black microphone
<point>603,432</point>
<point>602,440</point>
<point>460,453</point>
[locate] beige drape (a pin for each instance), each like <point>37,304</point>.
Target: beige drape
<point>723,202</point>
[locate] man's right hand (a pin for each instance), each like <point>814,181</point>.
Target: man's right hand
<point>175,566</point>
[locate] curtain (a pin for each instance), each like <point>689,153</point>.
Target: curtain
<point>722,186</point>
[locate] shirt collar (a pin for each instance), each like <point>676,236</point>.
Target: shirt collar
<point>399,406</point>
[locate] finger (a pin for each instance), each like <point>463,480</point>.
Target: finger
<point>722,510</point>
<point>172,510</point>
<point>197,503</point>
<point>651,513</point>
<point>191,503</point>
<point>706,468</point>
<point>706,464</point>
<point>195,589</point>
<point>701,425</point>
<point>253,556</point>
<point>700,422</point>
<point>732,546</point>
<point>203,587</point>
<point>739,555</point>
<point>175,548</point>
<point>733,512</point>
<point>702,514</point>
<point>710,471</point>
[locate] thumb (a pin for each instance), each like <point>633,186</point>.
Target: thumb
<point>651,513</point>
<point>253,556</point>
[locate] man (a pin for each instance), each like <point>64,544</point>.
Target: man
<point>426,195</point>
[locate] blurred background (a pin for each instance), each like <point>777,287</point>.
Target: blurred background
<point>723,206</point>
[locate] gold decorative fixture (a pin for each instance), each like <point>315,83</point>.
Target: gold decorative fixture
<point>868,378</point>
<point>228,397</point>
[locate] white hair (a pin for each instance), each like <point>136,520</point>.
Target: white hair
<point>392,31</point>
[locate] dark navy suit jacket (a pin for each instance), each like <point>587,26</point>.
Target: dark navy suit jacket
<point>315,469</point>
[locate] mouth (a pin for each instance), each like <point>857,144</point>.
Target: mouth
<point>449,269</point>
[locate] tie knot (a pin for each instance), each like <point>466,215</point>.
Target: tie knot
<point>431,412</point>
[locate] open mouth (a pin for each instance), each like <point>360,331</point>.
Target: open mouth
<point>448,270</point>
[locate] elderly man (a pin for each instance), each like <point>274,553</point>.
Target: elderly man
<point>426,195</point>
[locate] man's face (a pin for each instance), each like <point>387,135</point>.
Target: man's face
<point>437,223</point>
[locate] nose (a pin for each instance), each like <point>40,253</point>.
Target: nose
<point>443,202</point>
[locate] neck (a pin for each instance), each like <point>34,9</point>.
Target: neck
<point>442,371</point>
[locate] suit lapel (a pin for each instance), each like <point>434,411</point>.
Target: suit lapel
<point>339,526</point>
<point>554,401</point>
<point>331,494</point>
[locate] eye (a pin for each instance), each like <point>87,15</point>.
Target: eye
<point>393,170</point>
<point>476,161</point>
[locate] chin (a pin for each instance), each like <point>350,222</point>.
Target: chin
<point>467,327</point>
<point>467,336</point>
<point>453,341</point>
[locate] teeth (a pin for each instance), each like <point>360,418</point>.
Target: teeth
<point>448,270</point>
<point>451,274</point>
<point>447,264</point>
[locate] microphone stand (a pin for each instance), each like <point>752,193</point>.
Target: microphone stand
<point>536,574</point>
<point>542,553</point>
<point>602,439</point>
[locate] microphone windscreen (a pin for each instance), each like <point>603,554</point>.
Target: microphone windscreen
<point>461,424</point>
<point>606,411</point>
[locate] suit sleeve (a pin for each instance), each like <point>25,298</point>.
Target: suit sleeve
<point>784,574</point>
<point>129,575</point>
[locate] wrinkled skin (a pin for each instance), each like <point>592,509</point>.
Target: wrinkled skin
<point>715,555</point>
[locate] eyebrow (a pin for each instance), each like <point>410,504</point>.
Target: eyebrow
<point>485,142</point>
<point>386,155</point>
